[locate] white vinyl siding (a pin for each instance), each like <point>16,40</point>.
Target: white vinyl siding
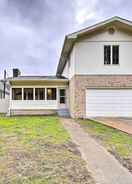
<point>33,104</point>
<point>89,55</point>
<point>4,105</point>
<point>104,102</point>
<point>69,69</point>
<point>65,72</point>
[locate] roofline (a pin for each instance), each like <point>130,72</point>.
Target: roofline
<point>63,48</point>
<point>114,18</point>
<point>65,39</point>
<point>73,36</point>
<point>28,80</point>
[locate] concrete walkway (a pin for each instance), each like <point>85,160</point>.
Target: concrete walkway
<point>103,166</point>
<point>123,124</point>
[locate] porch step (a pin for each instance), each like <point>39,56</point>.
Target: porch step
<point>63,113</point>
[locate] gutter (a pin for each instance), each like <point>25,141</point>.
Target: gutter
<point>48,80</point>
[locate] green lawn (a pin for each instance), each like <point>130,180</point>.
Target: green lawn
<point>116,142</point>
<point>38,150</point>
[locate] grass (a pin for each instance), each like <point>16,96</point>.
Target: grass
<point>31,128</point>
<point>38,150</point>
<point>116,142</point>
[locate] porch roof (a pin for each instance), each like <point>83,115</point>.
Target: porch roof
<point>38,80</point>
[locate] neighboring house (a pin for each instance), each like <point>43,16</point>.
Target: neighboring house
<point>4,89</point>
<point>94,76</point>
<point>4,96</point>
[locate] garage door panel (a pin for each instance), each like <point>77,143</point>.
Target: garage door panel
<point>111,97</point>
<point>108,99</point>
<point>110,105</point>
<point>109,102</point>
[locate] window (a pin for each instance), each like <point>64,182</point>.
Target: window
<point>107,54</point>
<point>115,51</point>
<point>51,93</point>
<point>16,94</point>
<point>28,93</point>
<point>111,54</point>
<point>62,96</point>
<point>40,94</point>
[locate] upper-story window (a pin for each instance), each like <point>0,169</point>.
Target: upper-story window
<point>111,54</point>
<point>107,54</point>
<point>115,54</point>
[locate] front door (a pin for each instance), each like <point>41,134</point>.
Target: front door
<point>62,98</point>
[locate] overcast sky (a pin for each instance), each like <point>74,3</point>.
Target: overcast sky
<point>32,31</point>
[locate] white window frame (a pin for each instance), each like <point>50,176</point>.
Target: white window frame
<point>24,87</point>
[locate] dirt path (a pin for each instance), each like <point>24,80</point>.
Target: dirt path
<point>104,167</point>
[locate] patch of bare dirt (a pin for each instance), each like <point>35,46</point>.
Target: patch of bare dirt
<point>55,164</point>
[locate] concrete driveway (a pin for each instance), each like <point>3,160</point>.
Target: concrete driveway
<point>123,124</point>
<point>103,166</point>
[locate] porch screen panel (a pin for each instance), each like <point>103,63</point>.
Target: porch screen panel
<point>51,93</point>
<point>16,94</point>
<point>40,94</point>
<point>28,93</point>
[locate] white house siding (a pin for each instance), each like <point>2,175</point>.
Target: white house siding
<point>66,70</point>
<point>72,63</point>
<point>34,104</point>
<point>69,69</point>
<point>4,101</point>
<point>105,36</point>
<point>4,105</point>
<point>89,56</point>
<point>2,90</point>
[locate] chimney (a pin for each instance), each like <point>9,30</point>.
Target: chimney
<point>16,72</point>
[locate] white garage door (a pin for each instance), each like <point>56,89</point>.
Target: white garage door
<point>109,103</point>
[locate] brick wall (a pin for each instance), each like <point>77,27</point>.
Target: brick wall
<point>79,83</point>
<point>72,96</point>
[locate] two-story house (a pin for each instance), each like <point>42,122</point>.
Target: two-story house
<point>94,75</point>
